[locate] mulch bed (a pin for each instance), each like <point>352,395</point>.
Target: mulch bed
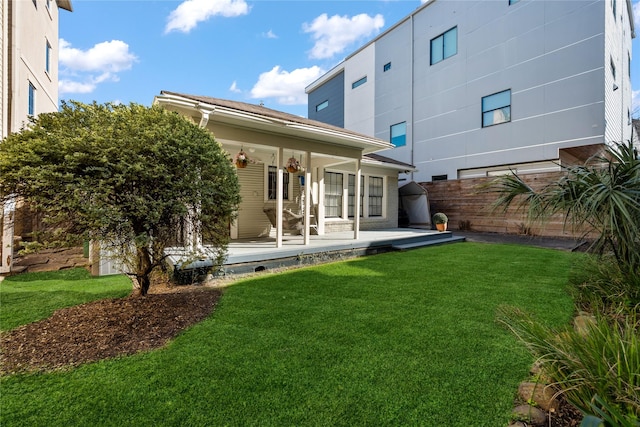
<point>104,329</point>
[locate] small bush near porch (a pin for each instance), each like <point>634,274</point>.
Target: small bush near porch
<point>396,339</point>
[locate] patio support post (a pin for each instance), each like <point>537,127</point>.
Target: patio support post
<point>320,219</point>
<point>356,215</point>
<point>279,202</point>
<point>307,198</point>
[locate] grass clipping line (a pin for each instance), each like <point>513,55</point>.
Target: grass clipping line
<point>103,329</point>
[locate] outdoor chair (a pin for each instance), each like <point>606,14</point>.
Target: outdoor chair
<point>292,223</point>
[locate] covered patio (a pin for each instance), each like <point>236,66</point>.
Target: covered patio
<point>297,176</point>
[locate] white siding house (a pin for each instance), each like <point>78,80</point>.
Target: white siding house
<point>323,191</point>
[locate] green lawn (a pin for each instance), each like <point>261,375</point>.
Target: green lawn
<point>30,297</point>
<point>396,339</point>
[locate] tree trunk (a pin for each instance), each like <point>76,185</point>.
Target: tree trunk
<point>143,270</point>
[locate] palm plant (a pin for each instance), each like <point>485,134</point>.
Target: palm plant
<point>600,197</point>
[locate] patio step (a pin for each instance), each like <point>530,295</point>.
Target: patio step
<point>449,238</point>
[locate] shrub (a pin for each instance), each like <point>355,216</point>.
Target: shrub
<point>597,370</point>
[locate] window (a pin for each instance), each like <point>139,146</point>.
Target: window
<point>496,108</point>
<point>322,105</point>
<point>35,3</point>
<point>359,82</point>
<point>375,195</point>
<point>444,46</point>
<point>352,195</point>
<point>32,100</point>
<point>399,134</point>
<point>386,67</point>
<point>439,177</point>
<point>513,2</point>
<point>613,7</point>
<point>613,68</point>
<point>273,183</point>
<point>332,194</point>
<point>47,63</point>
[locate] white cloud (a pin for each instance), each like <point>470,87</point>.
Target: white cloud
<point>113,56</point>
<point>234,87</point>
<point>270,35</point>
<point>88,68</point>
<point>286,87</point>
<point>68,86</point>
<point>190,12</point>
<point>333,35</point>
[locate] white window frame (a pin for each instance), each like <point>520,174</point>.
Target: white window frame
<point>364,196</point>
<point>286,184</point>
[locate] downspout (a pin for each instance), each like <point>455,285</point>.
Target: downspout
<point>412,98</point>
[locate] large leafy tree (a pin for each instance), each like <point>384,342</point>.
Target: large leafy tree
<point>129,177</point>
<point>601,197</point>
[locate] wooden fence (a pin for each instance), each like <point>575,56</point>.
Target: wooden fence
<point>469,207</point>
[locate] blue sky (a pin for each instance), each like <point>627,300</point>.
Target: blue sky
<point>252,51</point>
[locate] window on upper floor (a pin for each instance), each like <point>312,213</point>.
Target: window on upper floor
<point>496,108</point>
<point>47,59</point>
<point>386,67</point>
<point>31,109</point>
<point>273,183</point>
<point>322,105</point>
<point>513,2</point>
<point>613,68</point>
<point>399,134</point>
<point>444,46</point>
<point>613,8</point>
<point>359,82</point>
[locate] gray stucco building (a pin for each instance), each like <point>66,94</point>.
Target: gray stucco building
<point>475,88</point>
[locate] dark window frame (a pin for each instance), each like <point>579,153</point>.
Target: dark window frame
<point>435,41</point>
<point>491,110</point>
<point>404,135</point>
<point>31,107</point>
<point>324,104</point>
<point>359,82</point>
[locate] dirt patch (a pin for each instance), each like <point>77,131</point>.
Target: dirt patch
<point>104,329</point>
